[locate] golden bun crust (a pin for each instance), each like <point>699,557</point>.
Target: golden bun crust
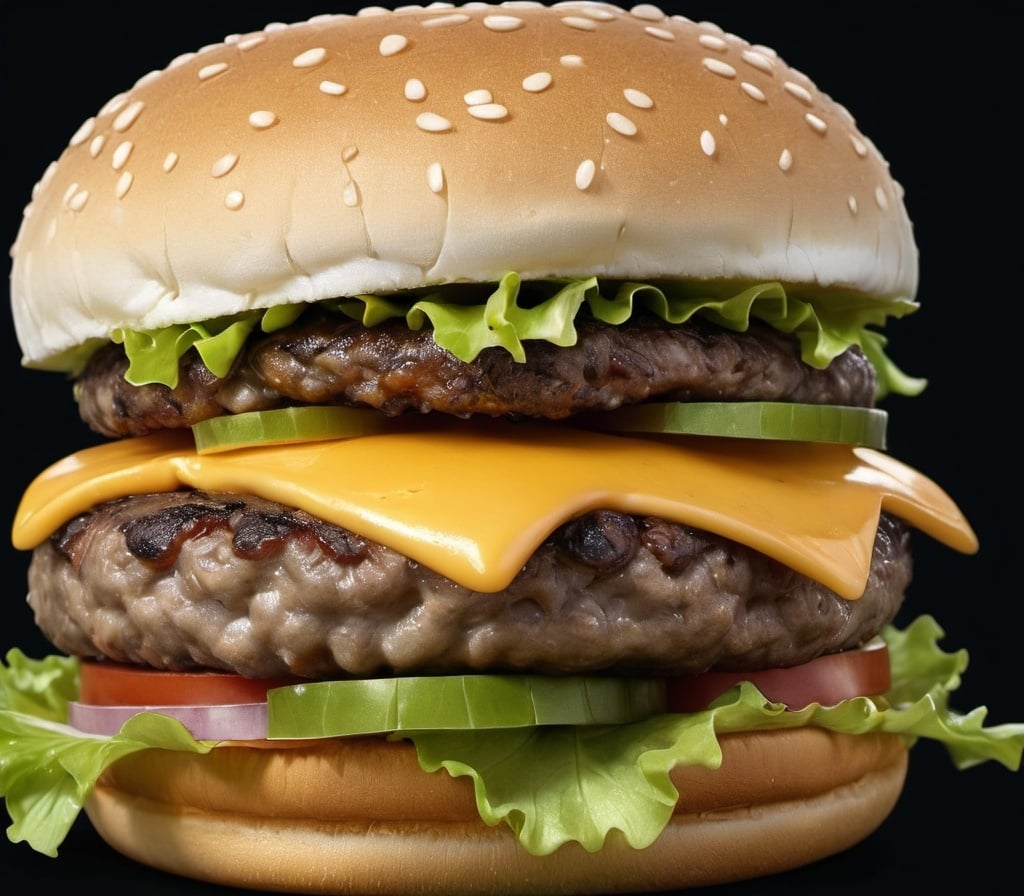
<point>389,150</point>
<point>359,816</point>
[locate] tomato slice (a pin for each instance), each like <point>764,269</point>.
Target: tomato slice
<point>828,680</point>
<point>127,689</point>
<point>120,684</point>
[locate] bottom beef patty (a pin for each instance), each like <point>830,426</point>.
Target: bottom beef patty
<point>198,580</point>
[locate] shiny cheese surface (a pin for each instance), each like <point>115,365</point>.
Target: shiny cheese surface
<point>474,500</point>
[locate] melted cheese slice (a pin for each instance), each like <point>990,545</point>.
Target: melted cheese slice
<point>474,500</point>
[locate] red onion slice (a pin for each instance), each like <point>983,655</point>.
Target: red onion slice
<point>236,721</point>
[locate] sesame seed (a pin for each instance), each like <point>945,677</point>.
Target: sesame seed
<point>48,174</point>
<point>211,70</point>
<point>435,177</point>
<point>753,91</point>
<point>432,122</point>
<point>503,23</point>
<point>180,60</point>
<point>391,44</point>
<point>707,143</point>
<point>595,12</point>
<point>852,204</point>
<point>121,154</point>
<point>859,146</point>
<point>456,18</point>
<point>83,133</point>
<point>149,76</point>
<point>712,42</point>
<point>585,174</point>
<point>637,98</point>
<point>881,198</point>
<point>572,61</point>
<point>249,42</point>
<point>648,12</point>
<point>620,124</point>
<point>77,202</point>
<point>310,58</point>
<point>478,97</point>
<point>415,90</point>
<point>660,33</point>
<point>580,23</point>
<point>786,160</point>
<point>801,75</point>
<point>234,200</point>
<point>126,117</point>
<point>69,192</point>
<point>719,67</point>
<point>332,88</point>
<point>262,118</point>
<point>537,82</point>
<point>96,147</point>
<point>350,195</point>
<point>124,184</point>
<point>489,111</point>
<point>816,123</point>
<point>224,164</point>
<point>723,119</point>
<point>846,113</point>
<point>799,91</point>
<point>758,60</point>
<point>170,160</point>
<point>764,51</point>
<point>114,104</point>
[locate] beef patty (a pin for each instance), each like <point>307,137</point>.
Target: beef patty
<point>328,359</point>
<point>191,580</point>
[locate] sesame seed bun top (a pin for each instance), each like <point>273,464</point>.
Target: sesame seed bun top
<point>389,150</point>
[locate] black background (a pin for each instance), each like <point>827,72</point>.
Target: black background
<point>940,95</point>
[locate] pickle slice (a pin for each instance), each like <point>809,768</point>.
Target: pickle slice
<point>308,423</point>
<point>427,703</point>
<point>787,421</point>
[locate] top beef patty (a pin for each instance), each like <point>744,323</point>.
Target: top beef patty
<point>327,359</point>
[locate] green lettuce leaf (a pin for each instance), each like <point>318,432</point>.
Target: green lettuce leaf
<point>551,785</point>
<point>591,781</point>
<point>48,768</point>
<point>153,354</point>
<point>466,319</point>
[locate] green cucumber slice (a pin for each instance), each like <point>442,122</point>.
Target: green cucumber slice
<point>308,423</point>
<point>787,421</point>
<point>447,702</point>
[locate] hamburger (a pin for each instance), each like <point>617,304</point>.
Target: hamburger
<point>536,476</point>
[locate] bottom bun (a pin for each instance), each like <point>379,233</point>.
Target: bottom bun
<point>360,816</point>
